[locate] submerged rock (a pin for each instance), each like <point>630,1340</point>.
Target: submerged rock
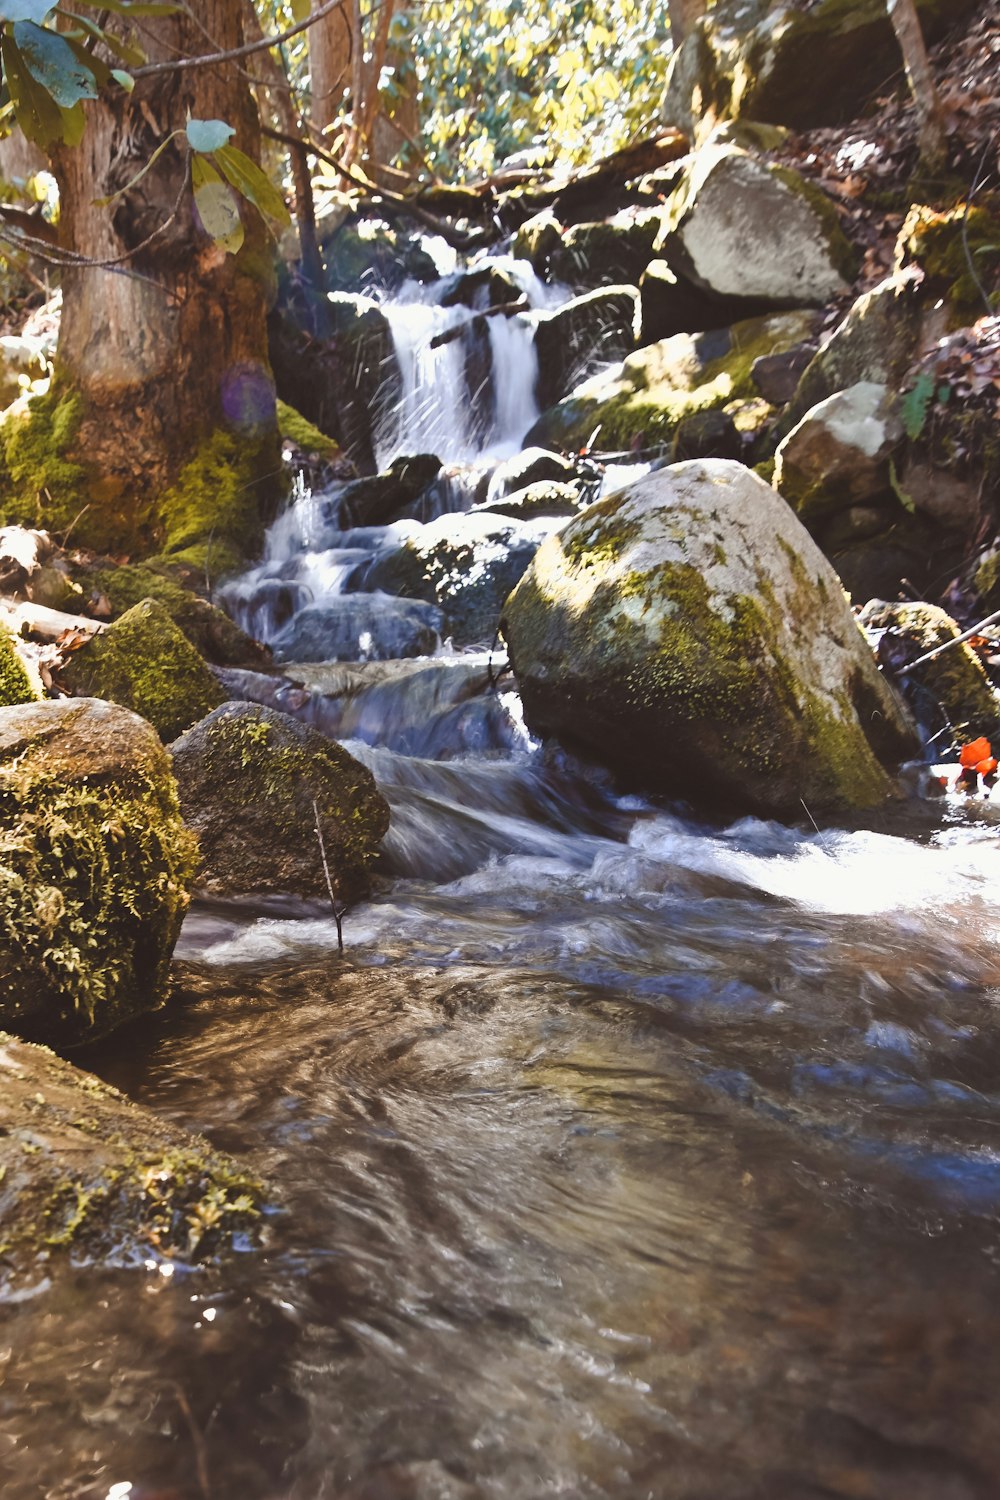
<point>94,868</point>
<point>689,633</point>
<point>85,1173</point>
<point>466,565</point>
<point>252,783</point>
<point>144,662</point>
<point>361,627</point>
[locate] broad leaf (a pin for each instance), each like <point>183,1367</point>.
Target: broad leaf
<point>51,61</point>
<point>206,136</point>
<point>35,110</point>
<point>74,124</point>
<point>248,179</point>
<point>916,404</point>
<point>217,208</point>
<point>125,79</point>
<point>25,10</point>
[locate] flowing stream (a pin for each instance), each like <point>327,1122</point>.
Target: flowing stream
<point>622,1156</point>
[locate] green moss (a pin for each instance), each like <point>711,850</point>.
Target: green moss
<point>936,241</point>
<point>43,486</point>
<point>214,503</point>
<point>295,428</point>
<point>210,631</point>
<point>146,663</point>
<point>93,884</point>
<point>15,684</point>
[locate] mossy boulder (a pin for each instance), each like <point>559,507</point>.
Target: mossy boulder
<point>209,629</point>
<point>839,455</point>
<point>597,329</point>
<point>145,662</point>
<point>253,783</point>
<point>299,433</point>
<point>740,227</point>
<point>788,64</point>
<point>607,252</point>
<point>537,240</point>
<point>955,680</point>
<point>212,517</point>
<point>466,565</point>
<point>95,866</point>
<point>640,403</point>
<point>688,633</point>
<point>17,683</point>
<point>86,1175</point>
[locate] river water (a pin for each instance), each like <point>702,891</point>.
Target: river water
<point>623,1156</point>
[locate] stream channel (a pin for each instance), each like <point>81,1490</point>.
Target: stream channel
<point>623,1156</point>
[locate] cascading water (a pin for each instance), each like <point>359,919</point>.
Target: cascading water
<point>622,1157</point>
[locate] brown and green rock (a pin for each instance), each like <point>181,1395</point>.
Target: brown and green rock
<point>86,1174</point>
<point>95,866</point>
<point>839,455</point>
<point>209,629</point>
<point>596,329</point>
<point>145,662</point>
<point>252,784</point>
<point>956,678</point>
<point>688,633</point>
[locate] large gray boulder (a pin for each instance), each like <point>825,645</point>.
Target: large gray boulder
<point>95,866</point>
<point>253,783</point>
<point>839,455</point>
<point>738,226</point>
<point>689,633</point>
<point>85,1174</point>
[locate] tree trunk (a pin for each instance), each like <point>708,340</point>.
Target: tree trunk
<point>683,14</point>
<point>167,351</point>
<point>331,49</point>
<point>906,25</point>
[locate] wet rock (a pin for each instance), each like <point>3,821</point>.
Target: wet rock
<point>209,629</point>
<point>689,633</point>
<point>707,434</point>
<point>955,680</point>
<point>788,64</point>
<point>481,289</point>
<point>610,252</point>
<point>538,240</point>
<point>594,330</point>
<point>381,498</point>
<point>466,565</point>
<point>144,662</point>
<point>94,868</point>
<point>638,404</point>
<point>547,497</point>
<point>361,627</point>
<point>839,454</point>
<point>364,373</point>
<point>248,778</point>
<point>742,227</point>
<point>85,1174</point>
<point>530,466</point>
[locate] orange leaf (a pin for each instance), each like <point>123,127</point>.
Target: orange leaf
<point>974,752</point>
<point>987,767</point>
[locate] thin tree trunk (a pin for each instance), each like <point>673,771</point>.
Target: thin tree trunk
<point>331,51</point>
<point>170,348</point>
<point>909,34</point>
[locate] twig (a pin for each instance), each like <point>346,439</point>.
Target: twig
<point>956,641</point>
<point>339,912</point>
<point>197,1441</point>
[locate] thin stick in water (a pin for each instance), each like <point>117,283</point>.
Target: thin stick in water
<point>338,911</point>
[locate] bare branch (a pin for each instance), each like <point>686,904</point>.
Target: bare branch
<point>264,44</point>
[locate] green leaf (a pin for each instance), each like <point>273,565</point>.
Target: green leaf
<point>944,393</point>
<point>206,136</point>
<point>35,110</point>
<point>51,61</point>
<point>248,179</point>
<point>125,79</point>
<point>24,10</point>
<point>299,9</point>
<point>74,124</point>
<point>916,404</point>
<point>129,53</point>
<point>217,208</point>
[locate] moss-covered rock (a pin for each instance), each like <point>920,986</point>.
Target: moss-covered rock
<point>210,516</point>
<point>145,662</point>
<point>17,684</point>
<point>639,403</point>
<point>587,332</point>
<point>43,485</point>
<point>607,252</point>
<point>87,1174</point>
<point>737,226</point>
<point>942,244</point>
<point>689,633</point>
<point>209,629</point>
<point>95,865</point>
<point>302,434</point>
<point>252,782</point>
<point>955,679</point>
<point>537,240</point>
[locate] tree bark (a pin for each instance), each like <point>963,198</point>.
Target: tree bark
<point>331,49</point>
<point>168,349</point>
<point>920,76</point>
